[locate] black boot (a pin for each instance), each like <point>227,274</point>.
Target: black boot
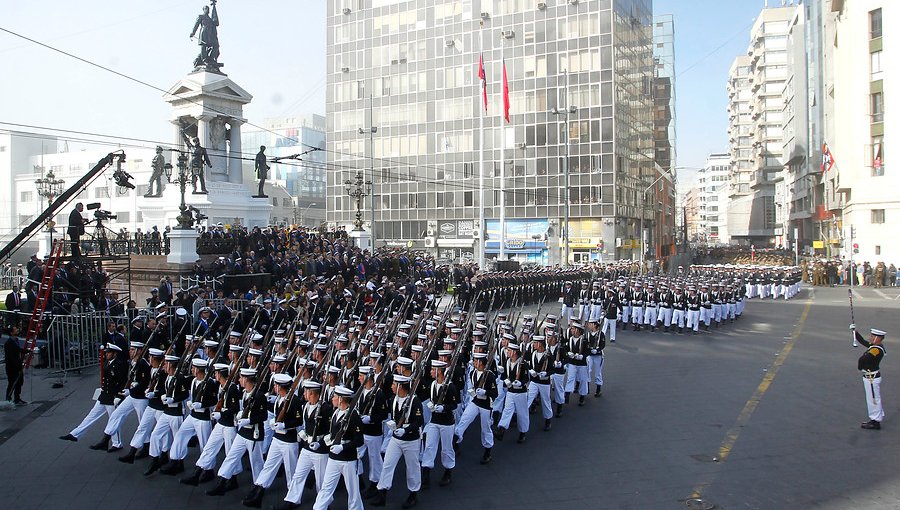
<point>667,329</point>
<point>521,438</point>
<point>559,412</point>
<point>411,500</point>
<point>498,434</point>
<point>680,330</point>
<point>598,391</point>
<point>220,487</point>
<point>567,397</point>
<point>486,458</point>
<point>128,458</point>
<point>173,468</point>
<point>154,466</point>
<point>370,491</point>
<point>446,478</point>
<point>254,499</point>
<point>380,498</point>
<point>143,452</point>
<point>426,478</point>
<point>194,479</point>
<point>69,437</point>
<point>207,475</point>
<point>548,424</point>
<point>232,484</point>
<point>103,444</point>
<point>581,401</point>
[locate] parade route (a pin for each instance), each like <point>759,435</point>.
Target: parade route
<point>763,413</point>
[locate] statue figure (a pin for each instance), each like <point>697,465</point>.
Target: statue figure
<point>158,165</point>
<point>207,38</point>
<point>199,157</point>
<point>262,171</point>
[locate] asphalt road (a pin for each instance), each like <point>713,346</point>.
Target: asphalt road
<point>763,413</point>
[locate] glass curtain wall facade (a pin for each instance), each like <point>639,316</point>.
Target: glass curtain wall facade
<point>410,70</point>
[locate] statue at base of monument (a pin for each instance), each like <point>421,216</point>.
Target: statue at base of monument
<point>262,172</point>
<point>159,166</point>
<point>206,29</point>
<point>199,157</point>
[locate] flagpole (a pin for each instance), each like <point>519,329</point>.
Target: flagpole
<point>482,227</point>
<point>502,255</point>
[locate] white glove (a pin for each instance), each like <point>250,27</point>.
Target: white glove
<point>517,384</point>
<point>134,385</point>
<point>272,424</point>
<point>243,422</point>
<point>271,399</point>
<point>480,393</point>
<point>216,416</point>
<point>439,408</point>
<point>314,446</point>
<point>471,392</point>
<point>853,327</point>
<point>430,405</point>
<point>391,424</point>
<point>542,374</point>
<point>279,427</point>
<point>500,370</point>
<point>557,364</point>
<point>150,394</point>
<point>367,419</point>
<point>579,357</point>
<point>197,406</point>
<point>532,373</point>
<point>594,351</point>
<point>303,436</point>
<point>336,449</point>
<point>398,433</point>
<point>507,382</point>
<point>167,400</point>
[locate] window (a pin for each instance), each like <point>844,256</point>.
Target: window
<point>877,107</point>
<point>875,65</point>
<point>877,215</point>
<point>27,196</point>
<point>875,24</point>
<point>877,156</point>
<point>121,191</point>
<point>877,249</point>
<point>468,198</point>
<point>101,192</point>
<point>123,217</point>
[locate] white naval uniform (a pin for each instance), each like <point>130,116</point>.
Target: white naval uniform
<point>309,461</point>
<point>438,434</point>
<point>398,448</point>
<point>535,388</point>
<point>516,399</point>
<point>281,453</point>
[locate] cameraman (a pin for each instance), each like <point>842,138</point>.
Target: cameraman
<point>76,229</point>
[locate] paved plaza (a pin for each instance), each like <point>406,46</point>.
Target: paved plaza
<point>763,413</point>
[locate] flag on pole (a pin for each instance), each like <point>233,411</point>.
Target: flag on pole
<point>827,158</point>
<point>483,77</point>
<point>505,94</point>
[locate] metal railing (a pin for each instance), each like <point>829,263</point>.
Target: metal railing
<point>189,281</point>
<point>10,276</point>
<point>73,341</point>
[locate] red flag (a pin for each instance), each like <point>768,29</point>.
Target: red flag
<point>483,77</point>
<point>827,158</point>
<point>505,94</point>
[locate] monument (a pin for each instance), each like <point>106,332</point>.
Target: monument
<point>207,114</point>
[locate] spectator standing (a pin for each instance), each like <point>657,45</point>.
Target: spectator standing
<point>14,353</point>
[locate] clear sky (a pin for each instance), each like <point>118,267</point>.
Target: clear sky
<point>276,50</point>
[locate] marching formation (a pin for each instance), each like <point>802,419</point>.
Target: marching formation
<point>349,389</point>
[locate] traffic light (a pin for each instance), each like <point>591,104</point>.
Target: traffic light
<point>855,247</point>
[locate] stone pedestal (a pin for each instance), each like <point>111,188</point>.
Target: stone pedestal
<point>361,239</point>
<point>46,239</point>
<point>182,246</point>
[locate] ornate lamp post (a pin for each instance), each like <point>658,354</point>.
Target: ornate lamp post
<point>49,187</point>
<point>358,190</point>
<point>185,219</point>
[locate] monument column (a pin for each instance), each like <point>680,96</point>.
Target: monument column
<point>235,163</point>
<point>203,130</point>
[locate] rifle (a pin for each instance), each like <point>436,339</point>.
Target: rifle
<point>240,361</point>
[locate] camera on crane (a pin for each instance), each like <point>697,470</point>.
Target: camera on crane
<point>100,214</point>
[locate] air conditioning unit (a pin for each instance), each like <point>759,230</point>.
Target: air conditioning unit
<point>429,232</point>
<point>449,43</point>
<point>542,6</point>
<point>485,15</point>
<point>520,146</point>
<point>476,234</point>
<point>345,69</point>
<point>429,242</point>
<point>573,2</point>
<point>508,34</point>
<point>346,10</point>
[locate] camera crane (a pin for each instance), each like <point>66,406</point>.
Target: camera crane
<point>62,201</point>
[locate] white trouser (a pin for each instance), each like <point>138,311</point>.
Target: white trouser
<point>565,314</point>
<point>873,398</point>
<point>595,364</point>
<point>535,389</point>
<point>693,319</point>
<point>717,312</point>
<point>596,313</point>
<point>426,411</point>
<point>232,463</point>
<point>268,433</point>
<point>334,470</point>
<point>740,308</point>
<point>609,329</point>
<point>705,315</point>
<point>515,403</point>
<point>498,403</point>
<point>584,312</point>
<point>190,428</point>
<point>637,313</point>
<point>650,315</point>
<point>729,311</point>
<point>751,290</point>
<point>137,405</point>
<point>558,387</point>
<point>468,416</point>
<point>626,313</point>
<point>665,316</point>
<point>308,461</point>
<point>163,433</point>
<point>371,448</point>
<point>145,427</point>
<point>397,448</point>
<point>762,289</point>
<point>435,434</point>
<point>96,412</point>
<point>220,436</point>
<point>280,453</point>
<point>577,373</point>
<point>677,318</point>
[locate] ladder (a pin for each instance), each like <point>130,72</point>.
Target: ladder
<point>44,293</point>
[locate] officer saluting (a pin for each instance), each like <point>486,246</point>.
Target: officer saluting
<point>868,364</point>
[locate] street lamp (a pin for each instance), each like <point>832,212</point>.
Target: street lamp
<point>371,130</point>
<point>303,214</point>
<point>49,187</point>
<point>358,190</point>
<point>185,218</point>
<point>643,210</point>
<point>565,112</point>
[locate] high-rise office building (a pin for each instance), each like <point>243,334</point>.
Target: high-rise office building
<point>713,192</point>
<point>404,106</point>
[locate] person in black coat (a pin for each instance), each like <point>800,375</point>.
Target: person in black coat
<point>14,300</point>
<point>113,377</point>
<point>14,353</point>
<point>76,230</point>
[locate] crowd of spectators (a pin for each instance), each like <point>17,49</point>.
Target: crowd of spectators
<point>839,271</point>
